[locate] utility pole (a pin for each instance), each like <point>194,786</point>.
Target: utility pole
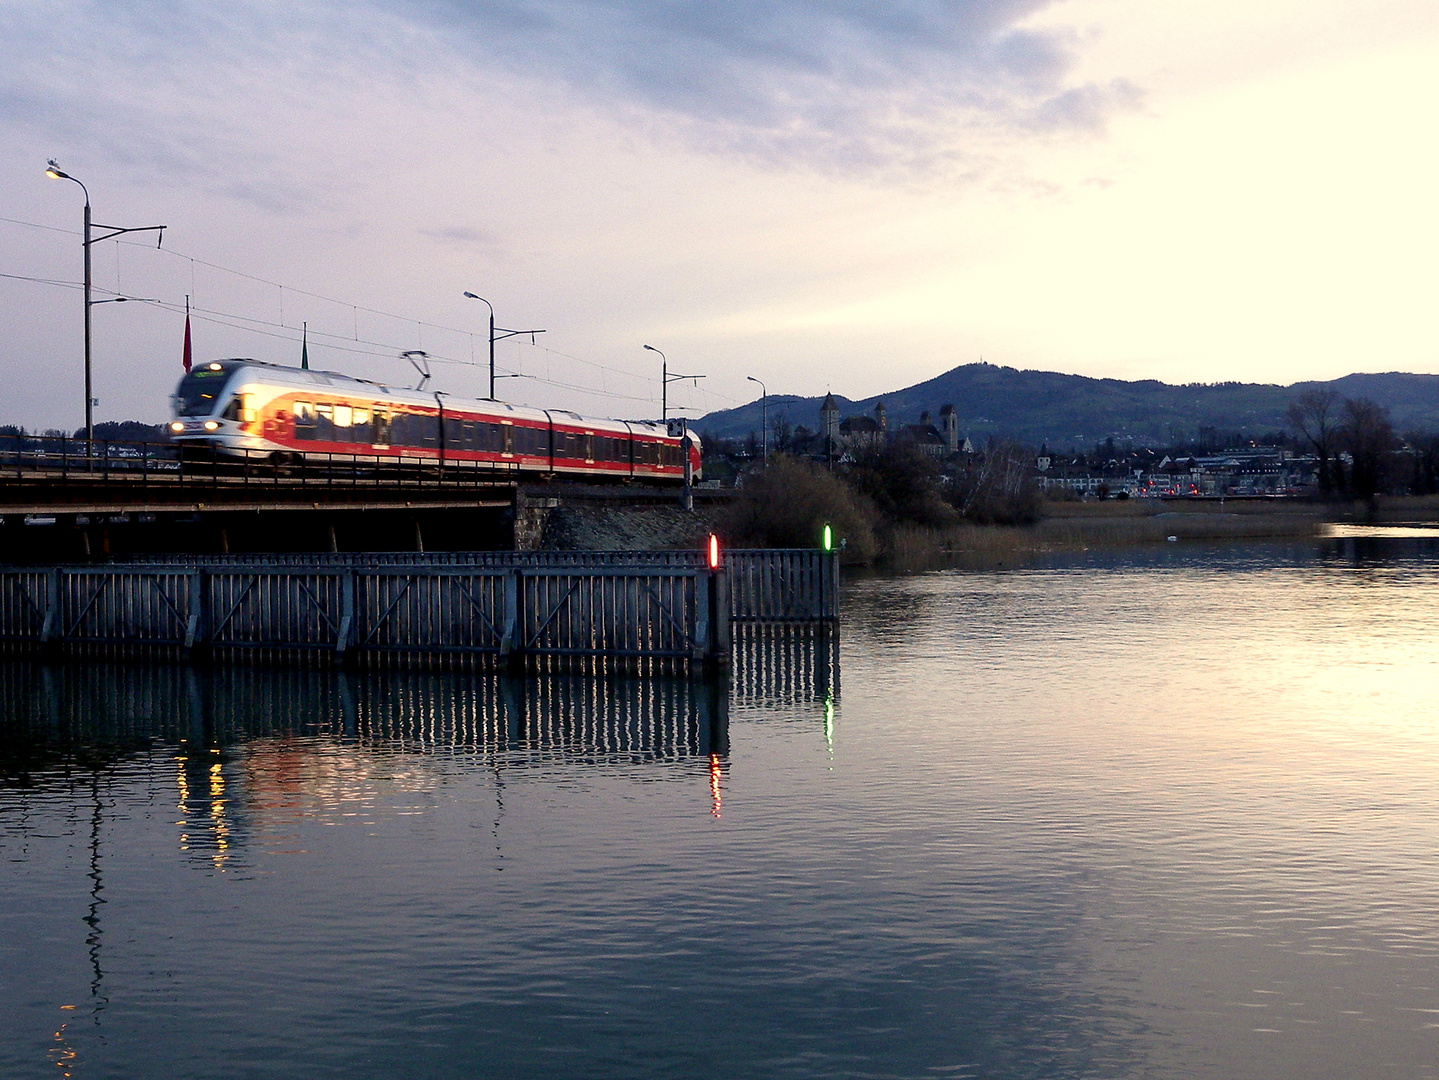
<point>55,173</point>
<point>497,334</point>
<point>667,377</point>
<point>764,412</point>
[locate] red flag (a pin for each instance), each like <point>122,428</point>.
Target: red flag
<point>187,335</point>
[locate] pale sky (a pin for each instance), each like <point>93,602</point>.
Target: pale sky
<point>845,196</point>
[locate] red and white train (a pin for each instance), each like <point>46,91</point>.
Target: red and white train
<point>248,408</point>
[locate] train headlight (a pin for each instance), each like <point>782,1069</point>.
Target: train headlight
<point>212,425</point>
<point>177,426</point>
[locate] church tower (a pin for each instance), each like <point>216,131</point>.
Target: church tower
<point>829,419</point>
<point>949,425</point>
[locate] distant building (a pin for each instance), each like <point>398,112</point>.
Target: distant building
<point>923,436</point>
<point>871,432</point>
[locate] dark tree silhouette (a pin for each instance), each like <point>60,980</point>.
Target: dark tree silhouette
<point>1368,436</point>
<point>1315,415</point>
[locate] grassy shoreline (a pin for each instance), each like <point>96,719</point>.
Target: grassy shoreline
<point>1081,526</point>
<point>1074,526</point>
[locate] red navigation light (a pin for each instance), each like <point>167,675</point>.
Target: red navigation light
<point>714,552</point>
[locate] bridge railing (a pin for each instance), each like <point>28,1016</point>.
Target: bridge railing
<point>34,458</point>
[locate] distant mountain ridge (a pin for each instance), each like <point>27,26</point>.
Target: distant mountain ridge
<point>1046,407</point>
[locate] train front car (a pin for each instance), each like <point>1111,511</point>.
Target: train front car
<point>214,409</point>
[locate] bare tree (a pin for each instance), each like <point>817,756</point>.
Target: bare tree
<point>1315,416</point>
<point>998,486</point>
<point>781,432</point>
<point>1368,436</point>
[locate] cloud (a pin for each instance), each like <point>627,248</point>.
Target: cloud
<point>848,84</point>
<point>906,86</point>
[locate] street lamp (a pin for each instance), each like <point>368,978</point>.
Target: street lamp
<point>667,377</point>
<point>498,335</point>
<point>764,405</point>
<point>54,173</point>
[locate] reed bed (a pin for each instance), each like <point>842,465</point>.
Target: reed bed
<point>908,547</point>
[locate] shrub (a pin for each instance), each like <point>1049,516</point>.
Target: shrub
<point>903,482</point>
<point>787,505</point>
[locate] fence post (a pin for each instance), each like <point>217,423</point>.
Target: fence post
<point>53,628</point>
<point>347,614</point>
<point>513,629</point>
<point>194,629</point>
<point>703,647</point>
<point>719,632</point>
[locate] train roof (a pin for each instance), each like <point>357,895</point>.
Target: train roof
<point>305,377</point>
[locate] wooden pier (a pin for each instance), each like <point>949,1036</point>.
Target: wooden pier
<point>521,610</point>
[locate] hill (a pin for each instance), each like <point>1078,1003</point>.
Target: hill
<point>1046,407</point>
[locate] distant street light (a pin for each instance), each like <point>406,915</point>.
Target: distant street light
<point>498,335</point>
<point>764,405</point>
<point>667,377</point>
<point>54,173</point>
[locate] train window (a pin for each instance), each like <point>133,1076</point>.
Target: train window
<point>232,410</point>
<point>360,425</point>
<point>343,417</point>
<point>467,435</point>
<point>304,420</point>
<point>412,427</point>
<point>400,430</point>
<point>453,433</point>
<point>507,434</point>
<point>199,388</point>
<point>382,427</point>
<point>324,421</point>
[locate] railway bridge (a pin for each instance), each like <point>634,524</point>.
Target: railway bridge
<point>143,498</point>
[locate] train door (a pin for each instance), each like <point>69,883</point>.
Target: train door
<point>381,423</point>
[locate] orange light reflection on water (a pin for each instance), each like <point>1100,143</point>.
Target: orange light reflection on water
<point>716,795</point>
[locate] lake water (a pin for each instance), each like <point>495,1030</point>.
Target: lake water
<point>1167,813</point>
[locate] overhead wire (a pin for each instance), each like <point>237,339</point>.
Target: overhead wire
<point>340,343</point>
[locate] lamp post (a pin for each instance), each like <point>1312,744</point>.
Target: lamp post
<point>667,377</point>
<point>54,173</point>
<point>497,334</point>
<point>764,405</point>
